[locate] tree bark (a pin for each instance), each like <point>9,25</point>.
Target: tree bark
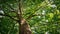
<point>24,27</point>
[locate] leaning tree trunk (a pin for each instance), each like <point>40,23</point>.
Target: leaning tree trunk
<point>23,25</point>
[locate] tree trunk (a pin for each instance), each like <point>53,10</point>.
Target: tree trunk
<point>24,27</point>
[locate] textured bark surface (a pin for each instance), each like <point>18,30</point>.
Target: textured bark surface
<point>25,28</point>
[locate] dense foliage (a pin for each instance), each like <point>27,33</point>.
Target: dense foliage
<point>44,16</point>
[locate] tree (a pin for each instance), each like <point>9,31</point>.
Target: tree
<point>33,16</point>
<point>23,25</point>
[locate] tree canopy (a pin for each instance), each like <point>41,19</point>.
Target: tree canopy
<point>43,16</point>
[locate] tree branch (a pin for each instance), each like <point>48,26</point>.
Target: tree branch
<point>10,6</point>
<point>8,16</point>
<point>37,8</point>
<point>33,16</point>
<point>12,9</point>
